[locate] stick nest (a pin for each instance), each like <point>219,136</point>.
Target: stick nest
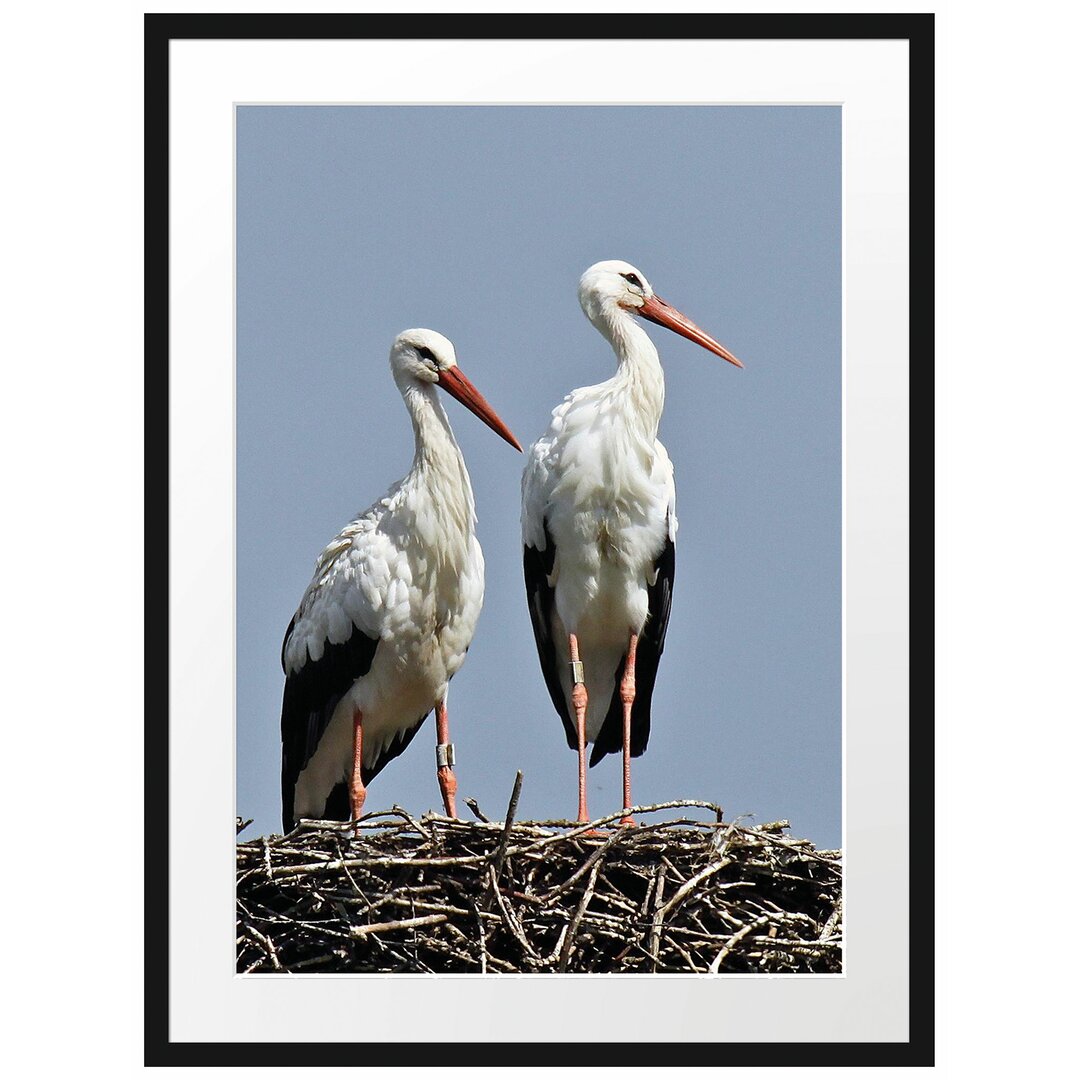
<point>439,894</point>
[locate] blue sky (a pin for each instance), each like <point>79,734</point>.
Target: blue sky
<point>354,223</point>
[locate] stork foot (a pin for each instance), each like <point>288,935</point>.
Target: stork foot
<point>356,805</point>
<point>448,787</point>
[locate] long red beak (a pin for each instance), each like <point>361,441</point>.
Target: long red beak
<point>457,386</point>
<point>663,314</point>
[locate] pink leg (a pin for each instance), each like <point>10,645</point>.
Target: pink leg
<point>444,758</point>
<point>627,690</point>
<point>580,698</point>
<point>357,791</point>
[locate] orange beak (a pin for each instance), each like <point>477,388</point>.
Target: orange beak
<point>457,386</point>
<point>663,314</point>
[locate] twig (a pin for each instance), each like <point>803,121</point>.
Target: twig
<point>688,887</point>
<point>510,811</point>
<point>399,924</point>
<point>734,940</point>
<point>586,896</point>
<point>509,918</point>
<point>658,916</point>
<point>268,945</point>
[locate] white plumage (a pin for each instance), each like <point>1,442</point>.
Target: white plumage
<point>605,488</point>
<point>598,527</point>
<point>392,606</point>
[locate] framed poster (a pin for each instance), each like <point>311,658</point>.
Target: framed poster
<point>825,124</point>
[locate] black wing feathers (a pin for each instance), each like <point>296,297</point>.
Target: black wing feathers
<point>338,807</point>
<point>541,596</point>
<point>311,695</point>
<point>650,647</point>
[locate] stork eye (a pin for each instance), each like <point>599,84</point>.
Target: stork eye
<point>426,354</point>
<point>634,280</point>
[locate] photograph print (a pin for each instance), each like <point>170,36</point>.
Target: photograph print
<point>539,481</point>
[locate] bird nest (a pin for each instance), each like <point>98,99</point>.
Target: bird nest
<point>437,894</point>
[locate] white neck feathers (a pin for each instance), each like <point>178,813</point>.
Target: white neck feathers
<point>438,470</point>
<point>640,376</point>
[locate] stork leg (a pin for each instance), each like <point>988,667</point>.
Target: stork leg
<point>444,759</point>
<point>579,696</point>
<point>357,791</point>
<point>627,691</point>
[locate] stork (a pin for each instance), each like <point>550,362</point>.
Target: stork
<point>598,528</point>
<point>390,611</point>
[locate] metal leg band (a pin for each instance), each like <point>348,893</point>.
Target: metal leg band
<point>577,669</point>
<point>444,756</point>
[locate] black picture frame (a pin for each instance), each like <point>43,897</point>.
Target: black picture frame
<point>919,31</point>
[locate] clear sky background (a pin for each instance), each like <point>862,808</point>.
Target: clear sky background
<point>354,223</point>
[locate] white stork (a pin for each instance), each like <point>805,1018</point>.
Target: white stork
<point>598,527</point>
<point>390,611</point>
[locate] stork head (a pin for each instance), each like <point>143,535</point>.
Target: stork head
<point>611,287</point>
<point>612,283</point>
<point>426,357</point>
<point>420,355</point>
